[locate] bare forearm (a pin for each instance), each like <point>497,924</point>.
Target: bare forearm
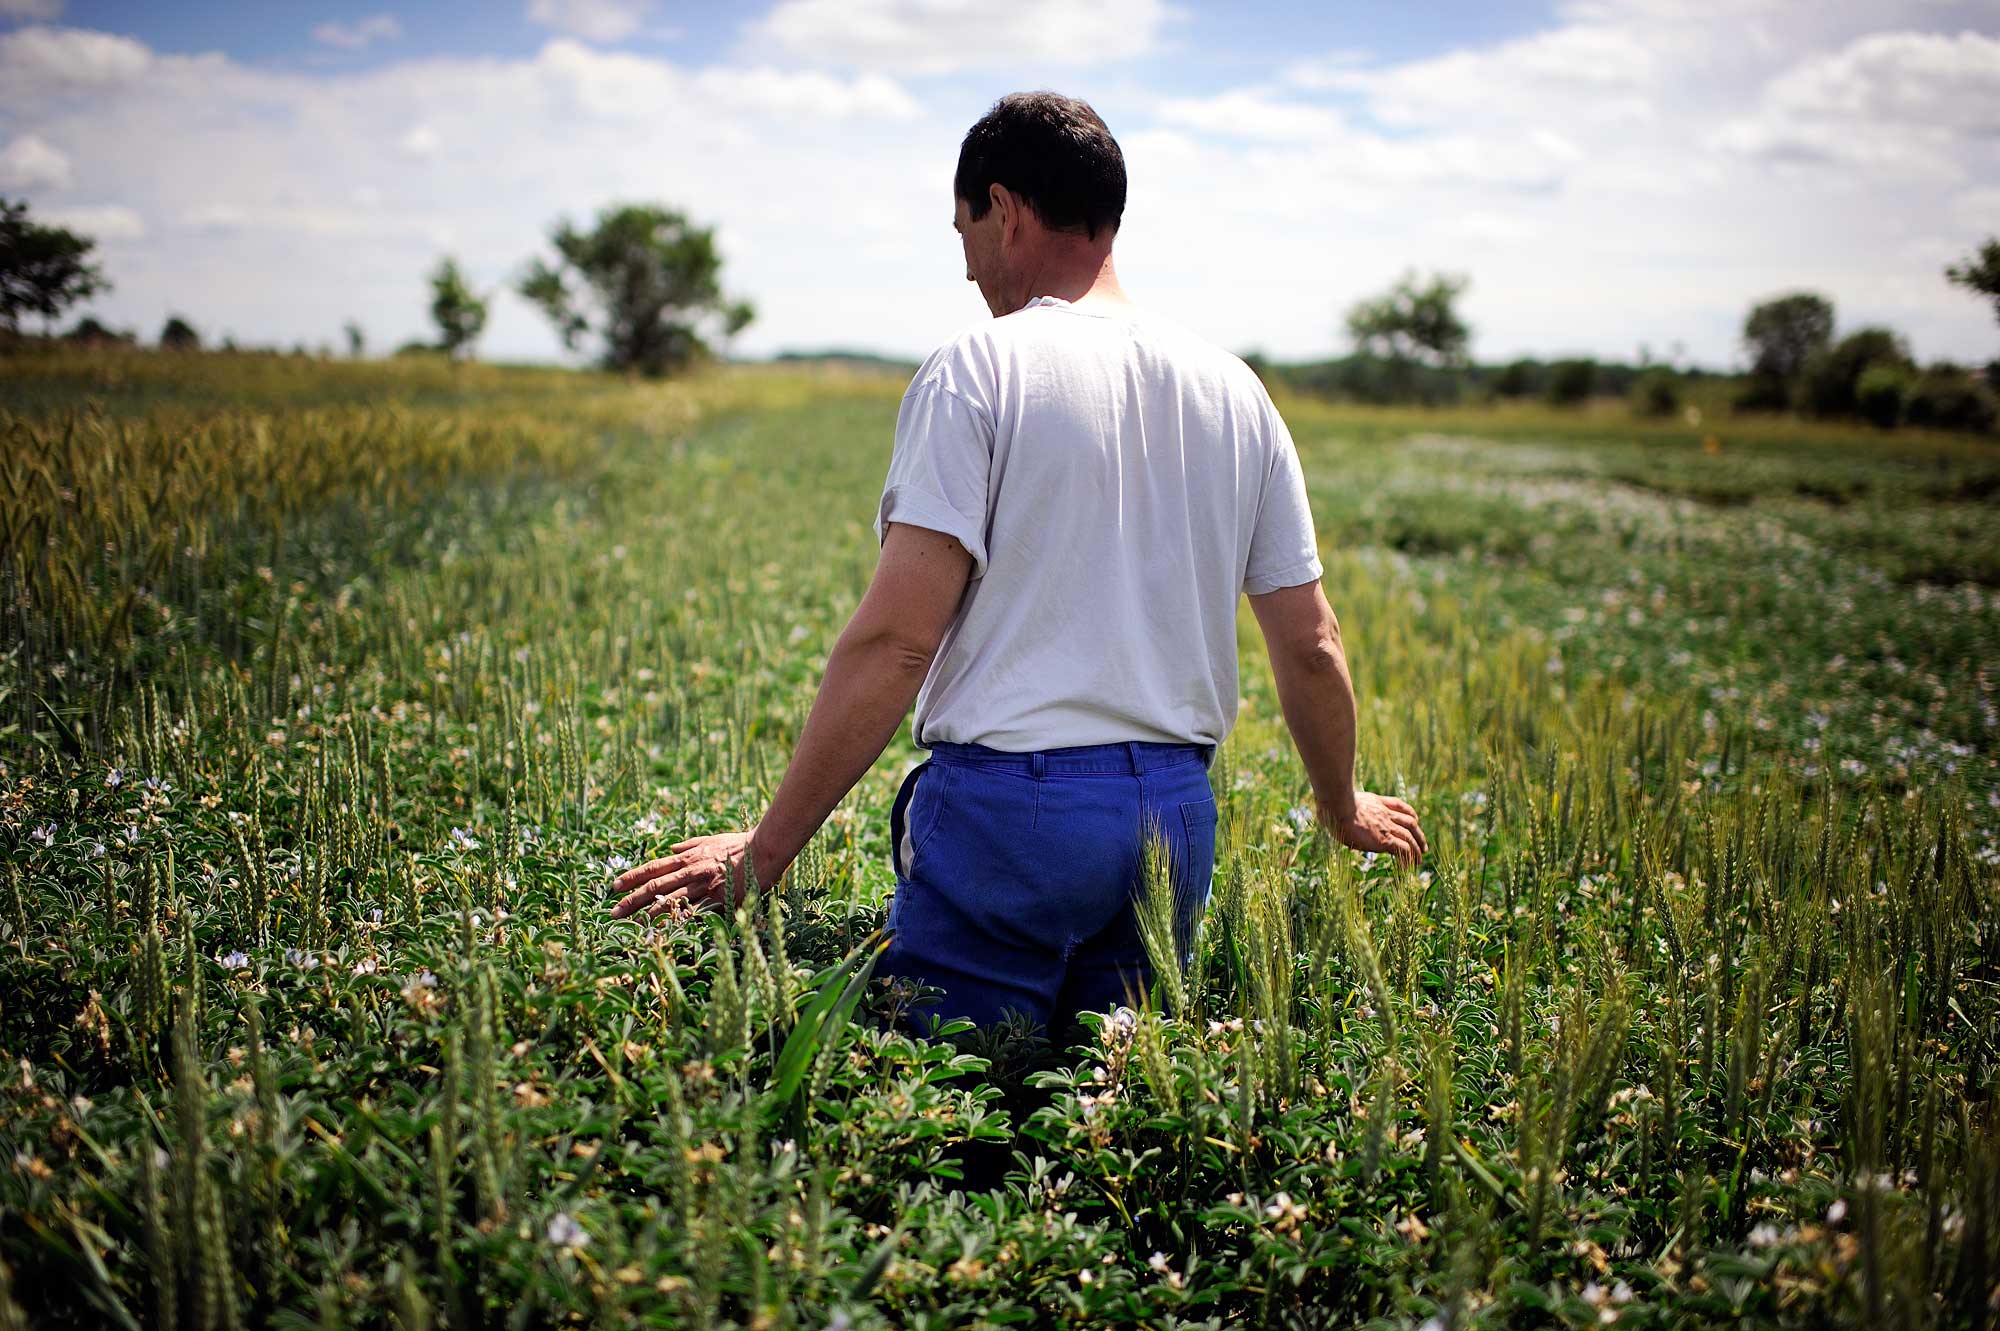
<point>869,685</point>
<point>1316,694</point>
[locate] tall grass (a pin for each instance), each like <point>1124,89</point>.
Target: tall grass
<point>313,1015</point>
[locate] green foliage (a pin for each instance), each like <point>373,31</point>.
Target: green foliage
<point>1520,378</point>
<point>1657,392</point>
<point>357,339</point>
<point>177,334</point>
<point>1785,333</point>
<point>458,312</point>
<point>314,1017</point>
<point>43,269</point>
<point>1762,392</point>
<point>1570,383</point>
<point>1412,324</point>
<point>1879,394</point>
<point>1980,273</point>
<point>1945,397</point>
<point>645,282</point>
<point>1833,378</point>
<point>91,331</point>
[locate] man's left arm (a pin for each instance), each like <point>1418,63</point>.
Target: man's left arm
<point>872,677</point>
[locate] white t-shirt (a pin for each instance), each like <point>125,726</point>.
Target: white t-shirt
<point>1118,481</point>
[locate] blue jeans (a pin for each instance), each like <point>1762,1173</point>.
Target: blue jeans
<point>1016,873</point>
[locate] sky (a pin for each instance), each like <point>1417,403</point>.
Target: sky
<point>1610,174</point>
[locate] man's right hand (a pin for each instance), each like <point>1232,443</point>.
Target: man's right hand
<point>1379,823</point>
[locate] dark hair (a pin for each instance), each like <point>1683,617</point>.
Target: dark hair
<point>1051,150</point>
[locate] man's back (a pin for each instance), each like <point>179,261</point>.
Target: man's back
<point>1118,482</point>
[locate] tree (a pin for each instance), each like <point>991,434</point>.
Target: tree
<point>644,282</point>
<point>1980,274</point>
<point>1833,376</point>
<point>1571,382</point>
<point>357,341</point>
<point>459,313</point>
<point>179,335</point>
<point>1787,331</point>
<point>1412,325</point>
<point>93,332</point>
<point>42,268</point>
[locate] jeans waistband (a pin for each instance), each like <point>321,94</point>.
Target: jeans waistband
<point>1132,756</point>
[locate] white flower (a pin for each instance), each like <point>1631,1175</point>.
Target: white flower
<point>365,966</point>
<point>97,850</point>
<point>305,961</point>
<point>617,864</point>
<point>1158,1261</point>
<point>234,961</point>
<point>423,980</point>
<point>565,1232</point>
<point>375,916</point>
<point>46,834</point>
<point>464,839</point>
<point>131,835</point>
<point>114,778</point>
<point>1836,1213</point>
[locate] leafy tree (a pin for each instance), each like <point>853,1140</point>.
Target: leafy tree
<point>1784,333</point>
<point>1518,379</point>
<point>1946,397</point>
<point>1980,274</point>
<point>179,335</point>
<point>459,313</point>
<point>1833,376</point>
<point>43,269</point>
<point>643,281</point>
<point>1571,382</point>
<point>94,331</point>
<point>1413,324</point>
<point>1879,394</point>
<point>357,341</point>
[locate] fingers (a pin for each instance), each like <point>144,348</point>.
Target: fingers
<point>656,887</point>
<point>651,869</point>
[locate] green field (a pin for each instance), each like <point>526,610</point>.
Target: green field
<point>333,695</point>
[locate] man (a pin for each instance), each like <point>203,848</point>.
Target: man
<point>1079,491</point>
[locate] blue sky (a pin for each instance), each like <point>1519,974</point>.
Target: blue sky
<point>1609,173</point>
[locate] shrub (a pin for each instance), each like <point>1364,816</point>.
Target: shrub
<point>1945,397</point>
<point>179,335</point>
<point>1571,382</point>
<point>1520,378</point>
<point>1657,392</point>
<point>1879,395</point>
<point>1833,378</point>
<point>1763,392</point>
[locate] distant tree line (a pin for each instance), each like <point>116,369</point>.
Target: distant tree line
<point>1410,346</point>
<point>641,287</point>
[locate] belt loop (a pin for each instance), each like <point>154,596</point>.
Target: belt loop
<point>1041,764</point>
<point>1132,754</point>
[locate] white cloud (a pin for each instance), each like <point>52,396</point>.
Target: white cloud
<point>28,162</point>
<point>595,20</point>
<point>1902,102</point>
<point>360,33</point>
<point>939,36</point>
<point>106,223</point>
<point>45,10</point>
<point>36,60</point>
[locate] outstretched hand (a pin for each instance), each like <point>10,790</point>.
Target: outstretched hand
<point>1380,823</point>
<point>702,872</point>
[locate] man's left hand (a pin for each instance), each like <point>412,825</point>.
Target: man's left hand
<point>702,872</point>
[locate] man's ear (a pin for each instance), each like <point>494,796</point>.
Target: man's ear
<point>1012,213</point>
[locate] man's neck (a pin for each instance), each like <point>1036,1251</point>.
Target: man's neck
<point>1087,281</point>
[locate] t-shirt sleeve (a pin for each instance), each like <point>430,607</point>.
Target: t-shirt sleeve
<point>940,469</point>
<point>1284,551</point>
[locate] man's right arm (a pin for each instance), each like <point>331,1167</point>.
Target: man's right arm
<point>1316,695</point>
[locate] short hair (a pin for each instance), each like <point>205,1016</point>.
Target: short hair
<point>1054,152</point>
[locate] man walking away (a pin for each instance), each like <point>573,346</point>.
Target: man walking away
<point>1078,493</point>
